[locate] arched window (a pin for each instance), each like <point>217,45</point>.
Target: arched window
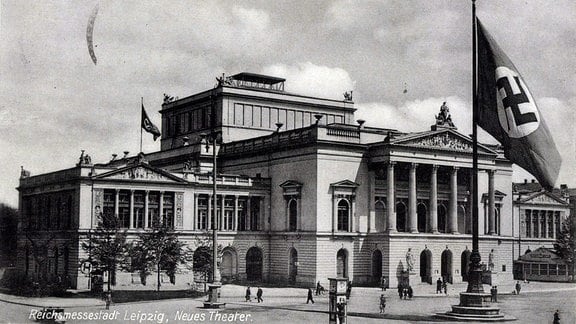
<point>293,265</point>
<point>380,215</point>
<point>442,221</point>
<point>343,215</point>
<point>292,215</point>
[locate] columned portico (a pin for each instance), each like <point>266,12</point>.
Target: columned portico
<point>453,210</point>
<point>391,200</point>
<point>412,216</point>
<point>433,212</point>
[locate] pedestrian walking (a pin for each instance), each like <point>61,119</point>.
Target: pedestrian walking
<point>259,295</point>
<point>410,292</point>
<point>518,287</point>
<point>382,303</point>
<point>248,293</point>
<point>439,286</point>
<point>108,299</point>
<point>493,294</point>
<point>383,283</point>
<point>400,291</point>
<point>556,317</point>
<point>445,287</point>
<point>310,298</point>
<point>496,294</point>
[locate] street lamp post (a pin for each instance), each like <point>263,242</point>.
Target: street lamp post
<point>215,284</point>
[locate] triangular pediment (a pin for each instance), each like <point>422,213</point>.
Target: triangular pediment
<point>445,139</point>
<point>345,184</point>
<point>545,198</point>
<point>140,172</point>
<point>290,184</point>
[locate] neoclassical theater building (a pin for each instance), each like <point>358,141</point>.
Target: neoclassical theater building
<point>305,192</point>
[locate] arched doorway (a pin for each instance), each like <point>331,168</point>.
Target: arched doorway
<point>446,267</point>
<point>442,221</point>
<point>201,263</point>
<point>380,215</point>
<point>229,265</point>
<point>426,266</point>
<point>421,212</point>
<point>376,266</point>
<point>465,264</point>
<point>342,263</point>
<point>401,217</point>
<point>254,264</point>
<point>293,265</point>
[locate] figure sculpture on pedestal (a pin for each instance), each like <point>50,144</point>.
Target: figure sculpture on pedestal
<point>409,260</point>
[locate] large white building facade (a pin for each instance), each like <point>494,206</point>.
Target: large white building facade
<point>305,193</point>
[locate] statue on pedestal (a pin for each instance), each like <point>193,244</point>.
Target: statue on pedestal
<point>410,260</point>
<point>444,118</point>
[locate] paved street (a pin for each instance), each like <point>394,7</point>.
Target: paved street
<point>288,305</point>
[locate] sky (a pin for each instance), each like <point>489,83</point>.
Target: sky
<point>56,102</point>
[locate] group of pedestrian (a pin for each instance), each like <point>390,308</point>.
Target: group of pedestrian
<point>405,291</point>
<point>494,294</point>
<point>441,286</point>
<point>259,294</point>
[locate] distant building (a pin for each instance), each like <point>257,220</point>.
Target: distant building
<point>304,193</point>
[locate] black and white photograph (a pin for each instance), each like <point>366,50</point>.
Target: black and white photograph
<point>290,161</point>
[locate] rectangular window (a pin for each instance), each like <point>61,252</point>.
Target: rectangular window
<point>124,209</point>
<point>153,209</point>
<point>168,210</point>
<point>551,225</point>
<point>265,117</point>
<point>242,214</point>
<point>108,208</point>
<point>503,268</point>
<point>339,119</point>
<point>202,217</point>
<point>238,114</point>
<point>273,117</point>
<point>552,270</point>
<point>330,119</point>
<point>254,213</point>
<point>138,210</point>
<point>528,223</point>
<point>289,119</point>
<point>257,116</point>
<point>228,220</point>
<point>298,119</point>
<point>282,117</point>
<point>247,115</point>
<point>307,119</point>
<point>543,269</point>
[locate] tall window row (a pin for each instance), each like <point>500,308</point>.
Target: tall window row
<point>267,117</point>
<point>542,223</point>
<point>189,121</point>
<point>138,208</point>
<point>48,211</point>
<point>234,213</point>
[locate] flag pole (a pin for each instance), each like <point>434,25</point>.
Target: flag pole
<point>475,273</point>
<point>142,105</point>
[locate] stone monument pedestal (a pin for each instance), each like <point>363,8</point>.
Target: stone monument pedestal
<point>213,296</point>
<point>475,307</point>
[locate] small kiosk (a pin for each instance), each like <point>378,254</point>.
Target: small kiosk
<point>338,300</point>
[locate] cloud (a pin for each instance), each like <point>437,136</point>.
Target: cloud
<point>313,80</point>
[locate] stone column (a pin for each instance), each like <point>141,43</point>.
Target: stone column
<point>453,212</point>
<point>161,208</point>
<point>146,195</point>
<point>412,216</point>
<point>433,213</point>
<point>131,208</point>
<point>538,223</point>
<point>249,214</point>
<point>117,203</point>
<point>554,229</point>
<point>195,217</point>
<point>221,218</point>
<point>491,204</point>
<point>236,213</point>
<point>391,206</point>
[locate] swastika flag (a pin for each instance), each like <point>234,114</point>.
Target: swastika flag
<point>508,112</point>
<point>147,125</point>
